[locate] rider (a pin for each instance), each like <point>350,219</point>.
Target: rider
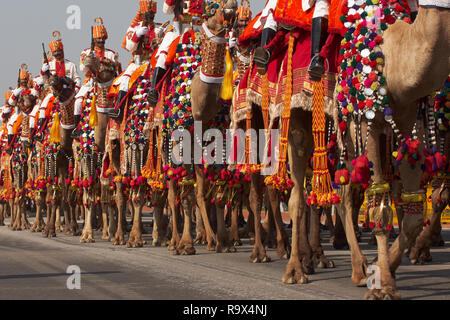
<point>138,41</point>
<point>100,35</point>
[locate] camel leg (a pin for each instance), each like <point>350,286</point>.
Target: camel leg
<point>159,225</point>
<point>105,227</point>
<point>135,240</point>
<point>306,253</point>
<point>420,253</point>
<point>234,228</point>
<point>58,224</point>
<point>268,225</point>
<point>2,214</point>
<point>283,245</point>
<point>24,224</point>
<point>186,243</point>
<point>329,223</point>
<point>319,258</point>
<point>38,224</point>
<point>300,144</point>
<point>67,218</point>
<point>87,236</point>
<point>112,221</point>
<point>359,261</point>
<point>249,229</point>
<point>201,202</point>
<point>50,231</point>
<point>259,252</point>
<point>175,208</point>
<point>199,228</point>
<point>119,238</point>
<point>74,228</point>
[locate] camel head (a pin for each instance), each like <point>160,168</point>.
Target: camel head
<point>220,15</point>
<point>27,103</point>
<point>104,70</point>
<point>63,88</point>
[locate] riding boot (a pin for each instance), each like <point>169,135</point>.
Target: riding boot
<point>262,56</point>
<point>153,95</point>
<point>318,38</point>
<point>115,113</point>
<point>77,119</point>
<point>414,15</point>
<point>39,129</point>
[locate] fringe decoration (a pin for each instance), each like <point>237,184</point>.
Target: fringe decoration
<point>281,180</point>
<point>322,192</point>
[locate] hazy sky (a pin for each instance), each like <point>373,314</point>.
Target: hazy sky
<point>25,24</point>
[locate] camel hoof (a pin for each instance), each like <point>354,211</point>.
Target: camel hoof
<point>237,243</point>
<point>290,278</point>
<point>331,264</point>
<point>321,265</point>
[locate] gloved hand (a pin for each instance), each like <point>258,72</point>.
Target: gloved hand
<point>141,31</point>
<point>39,81</point>
<point>232,41</point>
<point>159,32</point>
<point>45,68</point>
<point>17,91</point>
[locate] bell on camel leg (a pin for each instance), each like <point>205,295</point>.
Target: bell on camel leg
<point>319,35</point>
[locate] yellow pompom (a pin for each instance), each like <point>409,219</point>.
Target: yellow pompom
<point>227,86</point>
<point>93,118</point>
<point>55,131</point>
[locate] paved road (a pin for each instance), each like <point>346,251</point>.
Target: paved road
<point>32,267</point>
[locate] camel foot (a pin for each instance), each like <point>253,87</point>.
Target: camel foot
<point>86,237</point>
<point>159,243</point>
<point>118,240</point>
<point>237,243</point>
<point>294,274</point>
<point>211,246</point>
<point>259,255</point>
<point>200,238</point>
<point>48,233</point>
<point>105,236</point>
<point>308,265</point>
<point>322,262</point>
<point>420,255</point>
<point>59,228</point>
<point>283,250</point>
<point>225,248</point>
<point>386,293</point>
<point>359,274</point>
<point>185,247</point>
<point>135,240</point>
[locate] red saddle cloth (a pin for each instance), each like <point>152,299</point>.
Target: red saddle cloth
<point>252,84</point>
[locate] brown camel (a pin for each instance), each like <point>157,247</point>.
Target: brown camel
<point>89,163</point>
<point>426,42</point>
<point>56,168</point>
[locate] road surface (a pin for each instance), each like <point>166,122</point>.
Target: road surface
<point>33,267</point>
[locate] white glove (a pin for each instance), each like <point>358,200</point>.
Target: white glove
<point>17,91</point>
<point>159,32</point>
<point>39,81</point>
<point>141,31</point>
<point>45,68</point>
<point>232,41</point>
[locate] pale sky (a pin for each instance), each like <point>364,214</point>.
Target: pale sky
<point>25,24</point>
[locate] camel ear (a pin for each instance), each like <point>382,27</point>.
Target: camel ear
<point>98,20</point>
<point>56,34</point>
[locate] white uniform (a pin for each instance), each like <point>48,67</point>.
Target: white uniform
<point>71,71</point>
<point>89,83</point>
<point>266,19</point>
<point>321,7</point>
<point>435,3</point>
<point>13,119</point>
<point>132,44</point>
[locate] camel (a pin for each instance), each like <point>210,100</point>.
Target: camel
<point>407,80</point>
<point>57,150</point>
<point>89,152</point>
